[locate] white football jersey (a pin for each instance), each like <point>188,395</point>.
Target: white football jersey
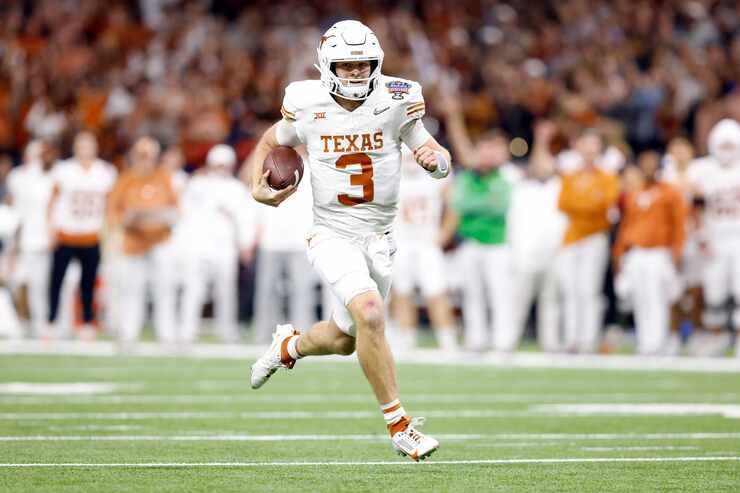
<point>82,194</point>
<point>355,156</point>
<point>421,203</point>
<point>720,187</point>
<point>30,188</point>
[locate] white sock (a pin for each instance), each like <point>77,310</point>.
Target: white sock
<point>293,349</point>
<point>447,339</point>
<point>392,412</point>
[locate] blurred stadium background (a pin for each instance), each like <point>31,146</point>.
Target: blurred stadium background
<point>530,95</point>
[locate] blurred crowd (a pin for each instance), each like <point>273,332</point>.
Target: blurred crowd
<point>147,92</point>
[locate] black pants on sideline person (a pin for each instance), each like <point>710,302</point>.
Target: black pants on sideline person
<point>89,258</point>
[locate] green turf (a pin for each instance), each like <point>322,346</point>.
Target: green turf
<point>217,395</point>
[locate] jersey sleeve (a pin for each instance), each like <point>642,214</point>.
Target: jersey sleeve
<point>412,130</point>
<point>286,131</point>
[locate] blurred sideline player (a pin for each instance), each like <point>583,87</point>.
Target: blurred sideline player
<point>352,122</point>
<point>9,324</point>
<point>143,204</point>
<point>586,196</point>
<point>282,266</point>
<point>76,213</point>
<point>686,316</point>
<point>535,230</point>
<point>419,260</point>
<point>29,191</point>
<point>217,227</point>
<point>716,179</point>
<point>480,200</point>
<point>647,252</point>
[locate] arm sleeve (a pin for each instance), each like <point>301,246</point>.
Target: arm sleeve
<point>414,134</point>
<point>286,133</point>
<point>412,131</point>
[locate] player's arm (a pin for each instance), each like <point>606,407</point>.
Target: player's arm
<point>434,158</point>
<point>280,133</point>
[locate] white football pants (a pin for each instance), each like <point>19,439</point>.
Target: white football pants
<point>221,270</point>
<point>135,272</point>
<point>721,280</point>
<point>540,285</point>
<point>581,269</point>
<point>34,271</point>
<point>487,284</point>
<point>649,281</point>
<point>299,286</point>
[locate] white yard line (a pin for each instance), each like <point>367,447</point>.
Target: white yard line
<point>380,437</point>
<point>429,463</point>
<point>551,411</point>
<point>271,415</point>
<point>638,449</point>
<point>731,411</point>
<point>516,360</point>
<point>58,389</point>
<point>357,398</point>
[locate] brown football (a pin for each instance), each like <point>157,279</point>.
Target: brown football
<point>286,167</point>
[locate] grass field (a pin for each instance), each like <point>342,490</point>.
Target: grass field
<point>169,424</point>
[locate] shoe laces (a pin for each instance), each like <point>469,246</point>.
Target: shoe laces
<point>411,430</point>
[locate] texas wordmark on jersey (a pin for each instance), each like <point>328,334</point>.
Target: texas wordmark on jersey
<point>355,156</point>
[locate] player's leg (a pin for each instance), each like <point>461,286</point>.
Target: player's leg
<point>373,351</point>
<point>37,264</point>
<point>548,312</point>
<point>162,265</point>
<point>716,278</point>
<point>524,287</point>
<point>323,338</point>
<point>60,261</point>
<point>497,269</point>
<point>302,298</point>
<point>89,260</point>
<point>567,263</point>
<point>225,284</point>
<point>474,301</point>
<point>647,284</point>
<point>132,291</point>
<point>404,309</point>
<point>195,279</point>
<point>432,280</point>
<point>593,264</point>
<point>735,287</point>
<point>265,299</point>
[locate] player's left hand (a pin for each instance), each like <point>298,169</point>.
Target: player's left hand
<point>426,158</point>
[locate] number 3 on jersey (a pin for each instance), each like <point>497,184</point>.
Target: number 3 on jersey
<point>365,178</point>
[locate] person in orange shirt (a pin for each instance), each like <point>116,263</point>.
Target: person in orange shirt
<point>586,196</point>
<point>648,248</point>
<point>143,204</point>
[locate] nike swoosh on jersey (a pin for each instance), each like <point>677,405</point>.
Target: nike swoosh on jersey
<point>377,111</point>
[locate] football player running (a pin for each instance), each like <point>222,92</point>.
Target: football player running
<point>352,123</point>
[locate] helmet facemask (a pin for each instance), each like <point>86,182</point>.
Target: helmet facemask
<point>349,41</point>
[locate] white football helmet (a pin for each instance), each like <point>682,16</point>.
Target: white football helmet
<point>724,142</point>
<point>349,41</point>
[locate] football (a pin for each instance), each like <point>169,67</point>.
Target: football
<point>286,167</point>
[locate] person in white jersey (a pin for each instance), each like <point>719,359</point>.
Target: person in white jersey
<point>716,180</point>
<point>282,266</point>
<point>218,224</point>
<point>76,212</point>
<point>535,230</point>
<point>352,123</point>
<point>420,261</point>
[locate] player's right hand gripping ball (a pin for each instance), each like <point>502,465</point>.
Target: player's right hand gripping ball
<point>286,167</point>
